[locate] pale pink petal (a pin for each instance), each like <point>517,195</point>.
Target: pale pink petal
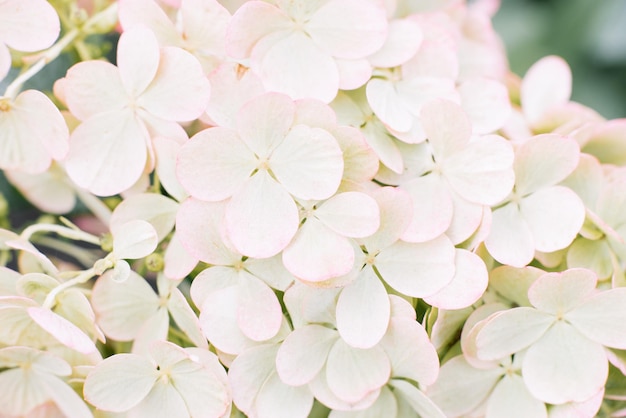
<point>321,391</point>
<point>205,23</point>
<point>403,41</point>
<point>544,160</point>
<point>259,314</point>
<point>122,308</point>
<point>50,191</point>
<point>214,164</point>
<point>553,370</point>
<point>461,388</point>
<point>28,25</point>
<point>303,354</point>
<point>396,210</point>
<point>607,142</point>
<point>511,398</point>
<point>271,271</point>
<point>294,65</point>
<point>383,97</point>
<point>510,331</point>
<point>185,318</point>
<point>180,91</point>
<point>253,21</point>
<point>134,373</point>
<point>417,270</point>
<point>547,84</point>
<point>147,13</point>
<point>353,73</point>
<point>487,104</point>
<point>218,319</point>
<point>178,261</point>
<point>447,127</point>
<point>483,171</point>
<point>348,28</point>
<point>166,150</point>
<point>384,146</point>
<point>351,214</point>
<point>317,253</point>
<point>278,400</point>
<point>107,152</point>
<point>211,280</point>
<point>600,318</point>
<point>134,239</point>
<point>410,351</point>
<point>587,408</point>
<point>362,325</point>
<point>63,330</point>
<point>156,209</point>
<point>137,59</point>
<point>248,372</point>
<point>554,216</point>
<point>5,60</point>
<point>432,208</point>
<point>560,293</point>
<point>315,114</point>
<point>199,226</point>
<point>93,87</point>
<point>420,403</point>
<point>261,218</point>
<point>360,161</point>
<point>308,163</point>
<point>510,240</point>
<point>467,286</point>
<point>353,373</point>
<point>470,220</point>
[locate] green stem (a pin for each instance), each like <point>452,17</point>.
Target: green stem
<point>83,277</point>
<point>61,230</point>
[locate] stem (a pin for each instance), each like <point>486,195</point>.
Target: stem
<point>81,278</point>
<point>83,256</point>
<point>61,230</point>
<point>95,205</point>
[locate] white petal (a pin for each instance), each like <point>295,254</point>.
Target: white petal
<point>134,239</point>
<point>353,373</point>
<point>28,25</point>
<point>137,59</point>
<point>396,208</point>
<point>261,218</point>
<point>553,370</point>
<point>432,208</point>
<point>510,240</point>
<point>511,398</point>
<point>162,399</point>
<point>447,127</point>
<point>218,319</point>
<point>383,98</point>
<point>69,403</point>
<point>403,41</point>
<point>487,104</point>
<point>351,214</point>
<point>362,325</point>
<point>548,83</point>
<point>186,318</point>
<point>278,400</point>
<point>158,210</point>
<point>559,293</point>
<point>510,331</point>
<point>62,329</point>
<point>417,400</point>
<point>259,314</point>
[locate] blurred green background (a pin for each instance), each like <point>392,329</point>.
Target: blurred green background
<point>589,34</point>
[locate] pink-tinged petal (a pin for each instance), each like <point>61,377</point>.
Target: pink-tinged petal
<point>607,142</point>
<point>510,240</point>
<point>483,171</point>
<point>248,372</point>
<point>487,104</point>
<point>348,28</point>
<point>544,160</point>
<point>547,84</point>
<point>410,351</point>
<point>362,325</point>
<point>261,218</point>
<point>432,208</point>
<point>294,65</point>
<point>147,13</point>
<point>205,24</point>
<point>553,370</point>
<point>308,163</point>
<point>93,87</point>
<point>353,373</point>
<point>33,133</point>
<point>396,210</point>
<point>560,293</point>
<point>511,398</point>
<point>510,331</point>
<point>360,161</point>
<point>461,388</point>
<point>469,221</point>
<point>386,404</point>
<point>601,318</point>
<point>259,314</point>
<point>315,114</point>
<point>554,216</point>
<point>351,214</point>
<point>166,151</point>
<point>253,21</point>
<point>264,121</point>
<point>28,25</point>
<point>199,226</point>
<point>384,146</point>
<point>417,400</point>
<point>134,239</point>
<point>137,59</point>
<point>303,354</point>
<point>63,330</point>
<point>107,153</point>
<point>186,318</point>
<point>211,280</point>
<point>278,400</point>
<point>271,271</point>
<point>232,85</point>
<point>403,41</point>
<point>417,270</point>
<point>383,97</point>
<point>133,372</point>
<point>122,308</point>
<point>178,261</point>
<point>587,408</point>
<point>218,319</point>
<point>317,253</point>
<point>321,391</point>
<point>5,60</point>
<point>467,286</point>
<point>158,210</point>
<point>447,127</point>
<point>179,91</point>
<point>353,73</point>
<point>214,164</point>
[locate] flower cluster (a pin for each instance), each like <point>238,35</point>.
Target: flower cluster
<point>294,208</point>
